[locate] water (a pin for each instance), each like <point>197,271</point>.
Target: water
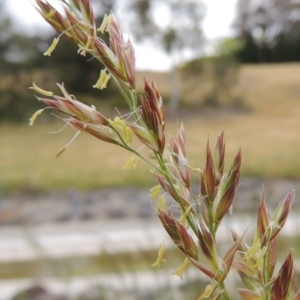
<point>91,238</point>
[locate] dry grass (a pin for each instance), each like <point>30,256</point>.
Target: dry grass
<point>269,136</point>
<point>89,265</point>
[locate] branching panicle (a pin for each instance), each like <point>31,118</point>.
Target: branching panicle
<point>194,232</point>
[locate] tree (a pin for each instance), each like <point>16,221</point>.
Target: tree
<point>174,25</point>
<point>20,53</point>
<point>268,28</point>
<point>15,49</point>
<point>218,75</point>
<point>5,35</point>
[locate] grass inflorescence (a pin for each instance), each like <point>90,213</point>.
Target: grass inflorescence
<point>193,219</point>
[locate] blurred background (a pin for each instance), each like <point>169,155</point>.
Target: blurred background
<point>220,65</point>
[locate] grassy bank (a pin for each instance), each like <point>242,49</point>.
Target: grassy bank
<point>140,260</point>
<point>269,135</point>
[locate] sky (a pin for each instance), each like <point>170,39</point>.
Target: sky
<point>217,23</point>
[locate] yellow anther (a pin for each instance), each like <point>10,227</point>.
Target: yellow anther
<point>106,21</point>
<point>180,270</point>
<point>52,47</point>
<point>39,90</point>
<point>88,43</point>
<point>35,115</point>
<point>132,163</point>
<point>120,124</point>
<point>161,203</point>
<point>185,214</point>
<point>103,80</point>
<point>154,192</point>
<point>127,134</point>
<point>194,169</point>
<point>160,256</point>
<point>208,291</point>
<point>255,253</point>
<point>60,152</point>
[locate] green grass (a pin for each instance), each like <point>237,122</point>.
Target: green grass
<point>268,135</point>
<point>102,263</point>
<point>120,264</point>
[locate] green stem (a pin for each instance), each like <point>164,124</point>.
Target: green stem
<point>195,198</point>
<point>222,287</point>
<point>134,107</point>
<point>210,219</point>
<point>163,171</point>
<point>128,100</point>
<point>131,101</point>
<point>125,146</point>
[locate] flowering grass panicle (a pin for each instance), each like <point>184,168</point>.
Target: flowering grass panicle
<point>193,228</point>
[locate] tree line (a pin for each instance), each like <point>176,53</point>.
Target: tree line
<point>269,31</point>
<point>265,31</point>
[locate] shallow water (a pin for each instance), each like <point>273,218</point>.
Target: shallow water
<point>90,238</point>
